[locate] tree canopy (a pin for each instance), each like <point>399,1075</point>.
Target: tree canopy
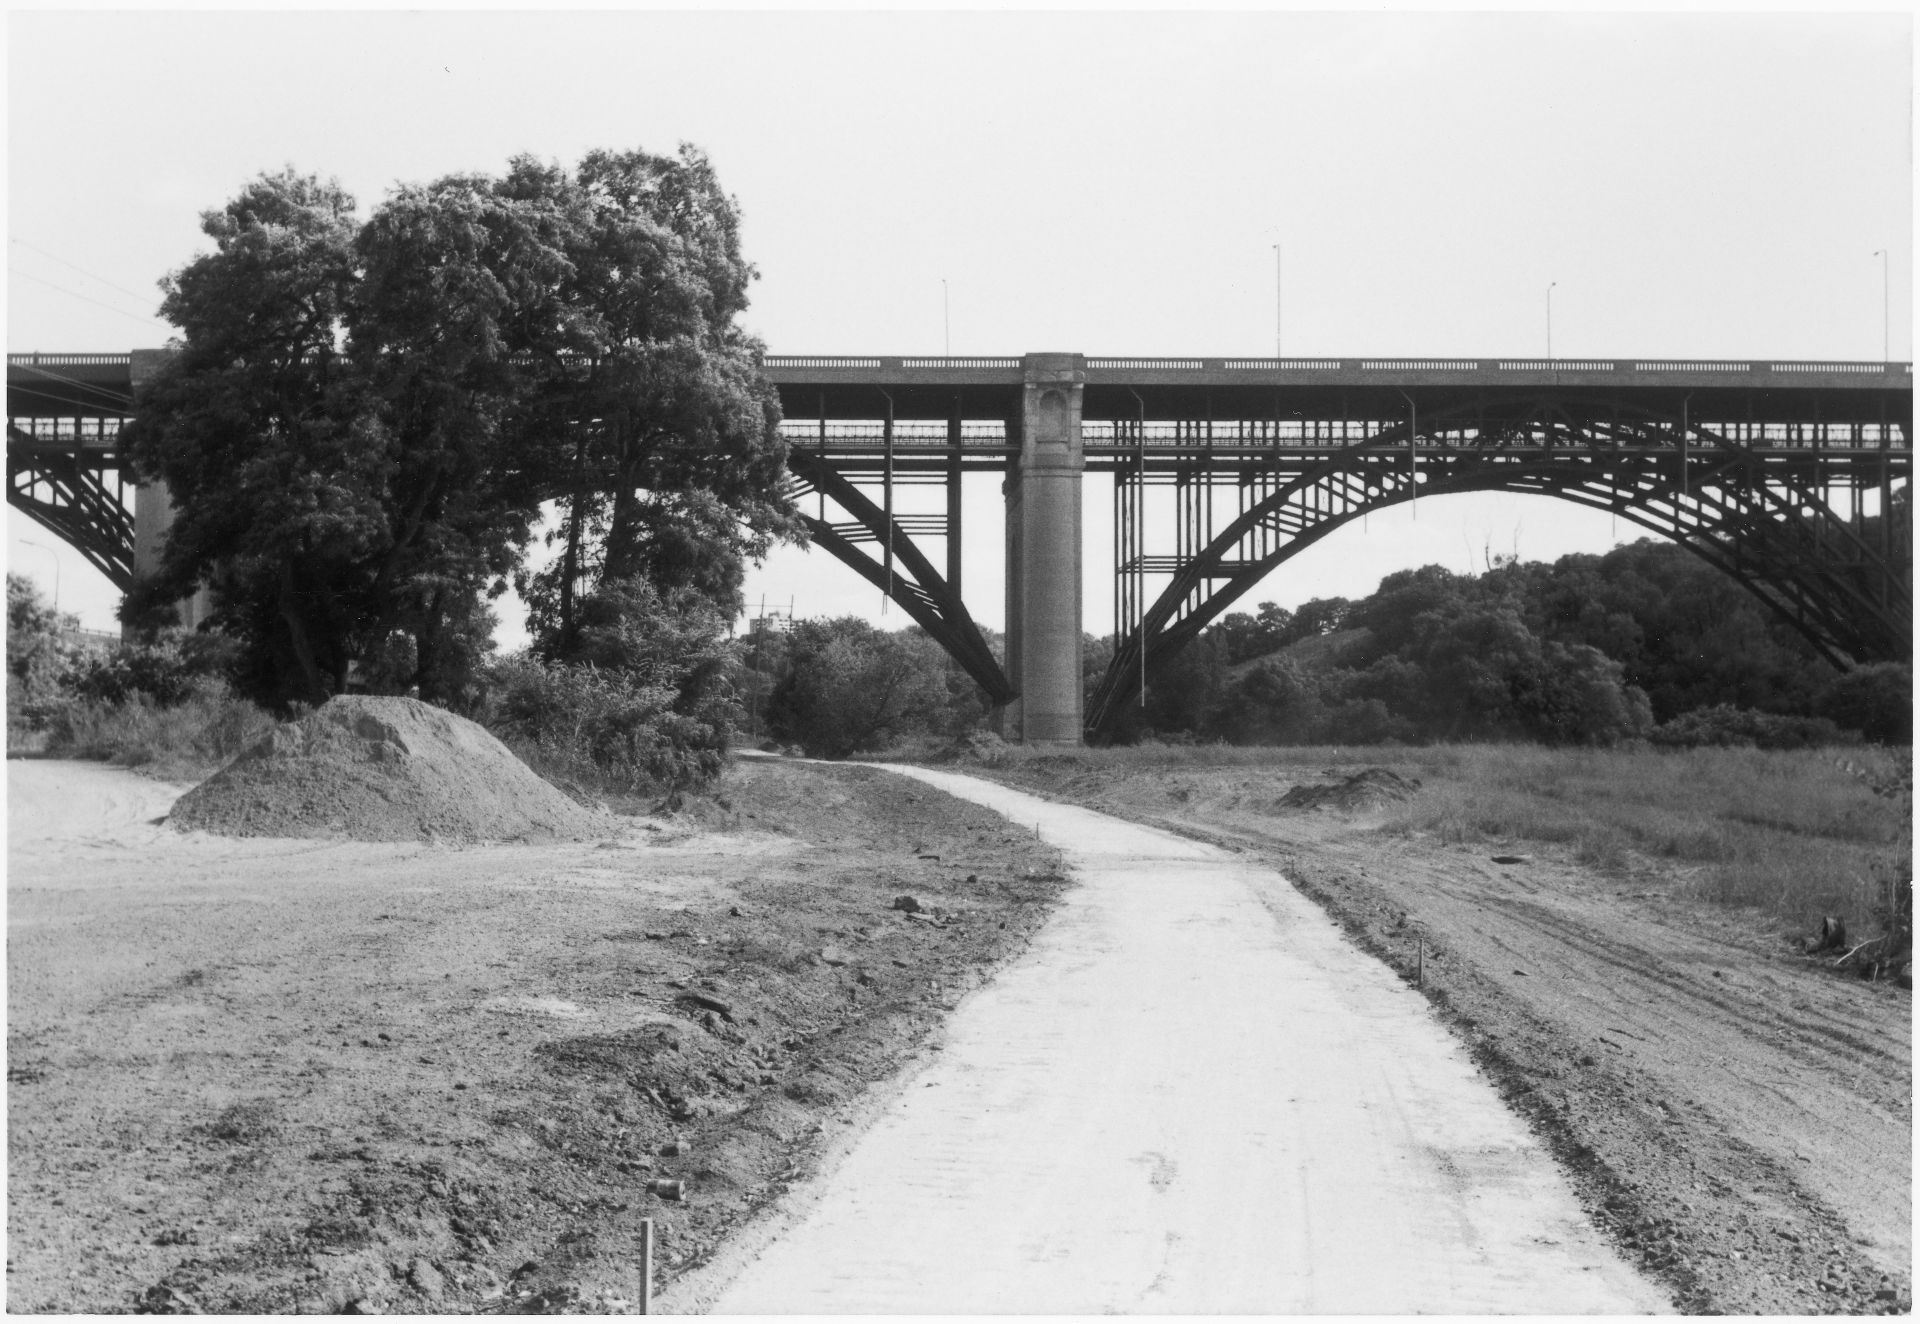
<point>362,418</point>
<point>1586,650</point>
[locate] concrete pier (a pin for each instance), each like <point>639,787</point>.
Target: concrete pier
<point>1043,555</point>
<point>153,510</point>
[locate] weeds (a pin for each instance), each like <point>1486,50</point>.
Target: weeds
<point>1794,834</point>
<point>181,742</point>
<point>1783,832</point>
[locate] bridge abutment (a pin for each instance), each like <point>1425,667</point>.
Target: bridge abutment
<point>1043,556</point>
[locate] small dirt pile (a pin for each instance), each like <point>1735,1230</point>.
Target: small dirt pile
<point>1368,787</point>
<point>383,769</point>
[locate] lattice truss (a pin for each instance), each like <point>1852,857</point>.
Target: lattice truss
<point>1203,511</point>
<point>852,487</point>
<point>66,474</point>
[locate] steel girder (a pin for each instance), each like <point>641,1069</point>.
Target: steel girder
<point>79,496</point>
<point>1757,513</point>
<point>921,591</point>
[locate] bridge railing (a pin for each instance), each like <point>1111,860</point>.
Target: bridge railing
<point>1147,363</point>
<point>1293,433</point>
<point>38,360</point>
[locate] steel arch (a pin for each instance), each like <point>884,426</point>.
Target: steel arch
<point>1752,512</point>
<point>922,592</point>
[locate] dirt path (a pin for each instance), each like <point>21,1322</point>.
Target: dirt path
<point>1189,1095</point>
<point>266,1076</point>
<point>1737,1119</point>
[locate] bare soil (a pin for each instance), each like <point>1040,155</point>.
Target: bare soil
<point>1737,1117</point>
<point>270,1075</point>
<point>376,768</point>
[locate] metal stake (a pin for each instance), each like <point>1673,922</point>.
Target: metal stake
<point>646,1266</point>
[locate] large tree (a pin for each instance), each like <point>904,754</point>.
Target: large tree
<point>674,454</point>
<point>361,420</point>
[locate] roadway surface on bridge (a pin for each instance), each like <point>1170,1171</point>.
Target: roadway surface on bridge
<point>1190,1095</point>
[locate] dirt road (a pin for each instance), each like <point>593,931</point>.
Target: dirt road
<point>1189,1095</point>
<point>1737,1118</point>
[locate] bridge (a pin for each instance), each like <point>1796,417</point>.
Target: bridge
<point>1222,469</point>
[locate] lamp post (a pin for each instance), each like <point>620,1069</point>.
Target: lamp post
<point>1278,306</point>
<point>1886,305</point>
<point>1550,285</point>
<point>28,542</point>
<point>946,318</point>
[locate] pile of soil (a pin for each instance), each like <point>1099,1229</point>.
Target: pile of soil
<point>1364,789</point>
<point>383,769</point>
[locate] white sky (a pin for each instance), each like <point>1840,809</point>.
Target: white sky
<point>1696,185</point>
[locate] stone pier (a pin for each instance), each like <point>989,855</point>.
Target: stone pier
<point>1043,555</point>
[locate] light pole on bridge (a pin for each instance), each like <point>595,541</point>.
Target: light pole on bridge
<point>1886,306</point>
<point>1550,285</point>
<point>28,542</point>
<point>1278,305</point>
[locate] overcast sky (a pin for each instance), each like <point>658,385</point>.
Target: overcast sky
<point>1696,185</point>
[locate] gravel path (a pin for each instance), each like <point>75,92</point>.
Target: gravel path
<point>1190,1095</point>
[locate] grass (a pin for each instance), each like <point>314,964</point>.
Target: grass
<point>1789,833</point>
<point>1792,834</point>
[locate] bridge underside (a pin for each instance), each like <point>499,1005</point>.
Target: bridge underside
<point>80,494</point>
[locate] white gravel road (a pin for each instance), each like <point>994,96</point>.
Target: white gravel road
<point>1189,1095</point>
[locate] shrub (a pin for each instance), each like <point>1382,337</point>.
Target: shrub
<point>1876,700</point>
<point>182,741</point>
<point>606,726</point>
<point>165,668</point>
<point>853,687</point>
<point>1726,726</point>
<point>39,657</point>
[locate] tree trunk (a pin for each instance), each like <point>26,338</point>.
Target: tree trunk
<point>316,682</point>
<point>570,566</point>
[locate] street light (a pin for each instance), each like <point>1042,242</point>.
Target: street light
<point>28,542</point>
<point>1550,285</point>
<point>1277,305</point>
<point>946,318</point>
<point>1886,303</point>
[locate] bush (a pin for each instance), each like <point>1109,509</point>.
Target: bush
<point>39,657</point>
<point>165,669</point>
<point>1876,700</point>
<point>606,726</point>
<point>1723,725</point>
<point>853,687</point>
<point>181,741</point>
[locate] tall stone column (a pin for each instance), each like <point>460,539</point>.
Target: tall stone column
<point>153,508</point>
<point>1043,556</point>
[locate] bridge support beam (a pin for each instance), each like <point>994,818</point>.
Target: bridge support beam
<point>153,511</point>
<point>1043,556</point>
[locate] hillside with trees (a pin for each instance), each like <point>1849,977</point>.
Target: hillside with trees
<point>1645,641</point>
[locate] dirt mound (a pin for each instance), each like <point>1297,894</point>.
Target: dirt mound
<point>1368,787</point>
<point>381,769</point>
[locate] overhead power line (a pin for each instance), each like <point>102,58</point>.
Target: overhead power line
<point>27,275</point>
<point>146,299</point>
<point>113,398</point>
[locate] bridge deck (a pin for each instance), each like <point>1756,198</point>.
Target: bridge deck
<point>100,385</point>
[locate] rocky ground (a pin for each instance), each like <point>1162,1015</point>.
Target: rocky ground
<point>1738,1117</point>
<point>274,1076</point>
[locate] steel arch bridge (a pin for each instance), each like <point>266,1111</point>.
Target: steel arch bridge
<point>1788,475</point>
<point>1754,500</point>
